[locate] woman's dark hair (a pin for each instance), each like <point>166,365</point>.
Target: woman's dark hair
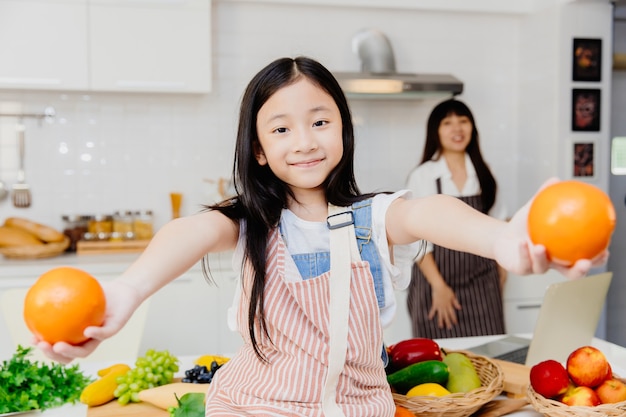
<point>260,195</point>
<point>433,147</point>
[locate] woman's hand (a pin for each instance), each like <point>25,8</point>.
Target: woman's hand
<point>122,301</point>
<point>444,306</point>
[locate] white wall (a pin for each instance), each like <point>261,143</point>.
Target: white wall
<point>143,146</point>
<point>128,151</point>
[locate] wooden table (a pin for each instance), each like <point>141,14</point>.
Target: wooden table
<point>515,380</point>
<point>114,409</point>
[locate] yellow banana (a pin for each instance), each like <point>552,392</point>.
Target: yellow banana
<point>101,391</point>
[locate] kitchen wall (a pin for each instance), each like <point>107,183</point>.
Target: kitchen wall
<point>616,327</point>
<point>105,152</point>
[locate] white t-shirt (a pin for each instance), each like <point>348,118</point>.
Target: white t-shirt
<point>422,183</point>
<point>304,236</point>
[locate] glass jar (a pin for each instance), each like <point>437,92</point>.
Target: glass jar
<point>143,224</point>
<point>75,227</point>
<point>123,225</point>
<point>100,226</point>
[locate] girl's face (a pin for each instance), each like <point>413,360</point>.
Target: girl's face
<point>300,135</point>
<point>455,133</point>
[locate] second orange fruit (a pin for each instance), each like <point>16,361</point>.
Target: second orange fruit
<point>62,303</point>
<point>573,220</point>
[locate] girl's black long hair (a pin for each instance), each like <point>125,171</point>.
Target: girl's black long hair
<point>433,146</point>
<point>260,195</point>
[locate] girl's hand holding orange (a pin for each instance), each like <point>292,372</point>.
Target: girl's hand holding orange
<point>535,255</point>
<point>573,220</point>
<point>70,312</point>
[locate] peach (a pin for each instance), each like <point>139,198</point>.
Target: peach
<point>588,367</point>
<point>611,391</point>
<point>581,396</point>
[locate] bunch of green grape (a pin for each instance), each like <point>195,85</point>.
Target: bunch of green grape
<point>152,370</point>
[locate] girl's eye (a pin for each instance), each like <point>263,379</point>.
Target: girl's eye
<point>320,123</point>
<point>280,130</point>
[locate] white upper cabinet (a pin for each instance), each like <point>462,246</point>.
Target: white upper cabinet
<point>106,45</point>
<point>43,44</point>
<point>150,45</point>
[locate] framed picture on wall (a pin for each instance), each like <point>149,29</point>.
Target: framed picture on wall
<point>586,109</point>
<point>587,59</point>
<point>583,160</point>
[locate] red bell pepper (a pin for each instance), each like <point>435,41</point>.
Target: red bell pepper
<point>410,351</point>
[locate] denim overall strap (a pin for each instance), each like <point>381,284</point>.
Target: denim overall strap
<point>363,228</point>
<point>314,264</point>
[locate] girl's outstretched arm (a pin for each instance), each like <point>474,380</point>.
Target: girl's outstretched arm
<point>448,222</point>
<point>176,247</point>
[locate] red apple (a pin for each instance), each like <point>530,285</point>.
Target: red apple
<point>581,396</point>
<point>611,391</point>
<point>549,378</point>
<point>587,366</point>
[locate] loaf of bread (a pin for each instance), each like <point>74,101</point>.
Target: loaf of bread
<point>40,231</point>
<point>13,236</point>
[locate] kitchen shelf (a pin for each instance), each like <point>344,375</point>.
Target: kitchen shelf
<point>102,247</point>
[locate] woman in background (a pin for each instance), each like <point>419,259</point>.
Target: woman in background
<point>452,293</point>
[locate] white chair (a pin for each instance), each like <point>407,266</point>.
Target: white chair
<point>123,347</point>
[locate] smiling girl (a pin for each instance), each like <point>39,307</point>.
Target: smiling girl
<point>312,337</point>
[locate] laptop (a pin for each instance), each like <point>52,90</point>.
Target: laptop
<point>568,319</point>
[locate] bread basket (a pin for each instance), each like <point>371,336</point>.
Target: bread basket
<point>47,250</point>
<point>459,404</point>
<point>554,408</point>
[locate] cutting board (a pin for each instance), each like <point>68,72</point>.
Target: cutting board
<point>114,409</point>
<point>516,378</point>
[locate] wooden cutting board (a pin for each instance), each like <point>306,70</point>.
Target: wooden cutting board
<point>114,409</point>
<point>516,378</point>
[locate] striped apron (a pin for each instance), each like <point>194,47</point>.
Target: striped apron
<point>476,283</point>
<point>291,382</point>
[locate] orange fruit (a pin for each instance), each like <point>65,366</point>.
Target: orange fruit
<point>402,412</point>
<point>62,303</point>
<point>573,220</point>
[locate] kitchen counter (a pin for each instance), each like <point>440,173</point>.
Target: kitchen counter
<point>189,310</point>
<point>614,353</point>
<point>24,272</point>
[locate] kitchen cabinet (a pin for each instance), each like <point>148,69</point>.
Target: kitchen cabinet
<point>150,46</point>
<point>186,317</point>
<point>523,296</point>
<point>43,45</point>
<point>161,46</point>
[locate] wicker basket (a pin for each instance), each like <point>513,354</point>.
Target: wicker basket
<point>553,408</point>
<point>459,404</point>
<point>36,251</point>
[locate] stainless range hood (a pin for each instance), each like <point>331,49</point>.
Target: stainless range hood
<point>378,77</point>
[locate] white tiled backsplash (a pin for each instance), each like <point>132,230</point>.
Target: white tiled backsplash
<point>105,152</point>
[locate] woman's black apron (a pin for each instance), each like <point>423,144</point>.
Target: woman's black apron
<point>474,280</point>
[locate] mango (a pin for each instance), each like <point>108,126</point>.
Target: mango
<point>463,376</point>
